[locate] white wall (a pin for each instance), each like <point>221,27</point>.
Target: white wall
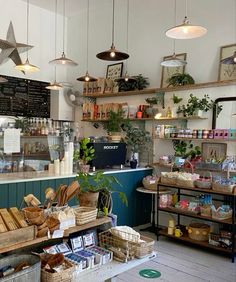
<point>41,36</point>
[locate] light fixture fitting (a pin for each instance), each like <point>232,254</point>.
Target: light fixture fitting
<point>87,77</point>
<point>54,86</point>
<point>229,60</point>
<point>63,60</point>
<point>173,61</point>
<point>3,79</point>
<point>112,54</point>
<point>186,30</point>
<point>27,67</point>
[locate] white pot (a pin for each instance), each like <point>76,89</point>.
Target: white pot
<point>198,113</point>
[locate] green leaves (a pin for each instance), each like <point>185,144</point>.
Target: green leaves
<point>85,154</point>
<point>178,79</point>
<point>186,150</point>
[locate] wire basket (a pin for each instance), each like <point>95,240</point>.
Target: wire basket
<point>125,250</point>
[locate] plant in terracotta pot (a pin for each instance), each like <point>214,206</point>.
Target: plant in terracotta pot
<point>135,138</point>
<point>84,154</point>
<point>93,184</point>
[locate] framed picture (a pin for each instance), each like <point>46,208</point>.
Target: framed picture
<point>114,71</point>
<point>214,151</point>
<point>167,72</point>
<point>227,72</point>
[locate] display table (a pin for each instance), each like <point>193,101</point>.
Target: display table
<point>108,271</point>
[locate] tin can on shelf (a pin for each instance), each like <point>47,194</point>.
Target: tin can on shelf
<point>205,134</point>
<point>199,133</point>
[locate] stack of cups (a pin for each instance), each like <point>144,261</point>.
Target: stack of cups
<point>171,227</point>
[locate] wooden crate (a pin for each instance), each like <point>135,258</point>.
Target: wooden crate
<point>17,236</point>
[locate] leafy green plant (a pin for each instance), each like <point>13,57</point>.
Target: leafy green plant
<point>139,83</point>
<point>115,121</point>
<point>100,182</point>
<point>23,124</point>
<point>176,99</point>
<point>85,154</point>
<point>178,79</point>
<point>136,137</point>
<point>186,149</point>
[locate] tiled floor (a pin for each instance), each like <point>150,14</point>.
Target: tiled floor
<point>180,263</point>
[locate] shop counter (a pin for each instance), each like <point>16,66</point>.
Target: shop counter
<point>14,186</point>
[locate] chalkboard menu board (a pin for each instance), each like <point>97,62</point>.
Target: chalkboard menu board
<point>24,97</point>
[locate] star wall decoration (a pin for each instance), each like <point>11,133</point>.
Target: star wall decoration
<point>11,49</point>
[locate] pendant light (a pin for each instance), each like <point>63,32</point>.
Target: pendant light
<point>112,54</point>
<point>27,67</point>
<point>3,80</point>
<point>87,77</point>
<point>186,30</point>
<point>173,61</point>
<point>127,78</point>
<point>55,85</point>
<point>63,60</point>
<point>229,60</point>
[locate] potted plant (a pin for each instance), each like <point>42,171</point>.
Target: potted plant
<point>93,184</point>
<point>114,124</point>
<point>138,82</point>
<point>135,138</point>
<point>176,100</point>
<point>84,154</point>
<point>179,79</point>
<point>23,124</point>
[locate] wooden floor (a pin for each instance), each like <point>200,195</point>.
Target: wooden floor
<point>180,263</point>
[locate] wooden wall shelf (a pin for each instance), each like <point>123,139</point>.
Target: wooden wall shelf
<point>169,89</point>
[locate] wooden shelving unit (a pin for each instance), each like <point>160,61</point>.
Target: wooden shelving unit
<point>159,90</point>
<point>198,139</point>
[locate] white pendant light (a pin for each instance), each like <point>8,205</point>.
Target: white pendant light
<point>126,77</point>
<point>63,60</point>
<point>3,79</point>
<point>87,77</point>
<point>173,61</point>
<point>27,67</point>
<point>112,54</point>
<point>186,30</point>
<point>55,85</point>
<point>229,60</point>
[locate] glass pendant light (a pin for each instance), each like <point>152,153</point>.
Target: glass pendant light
<point>186,30</point>
<point>229,60</point>
<point>55,85</point>
<point>112,54</point>
<point>127,78</point>
<point>27,67</point>
<point>173,61</point>
<point>63,60</point>
<point>87,77</point>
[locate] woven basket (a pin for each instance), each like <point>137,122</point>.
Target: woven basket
<point>222,215</point>
<point>223,188</point>
<point>198,231</point>
<point>32,212</point>
<point>85,214</point>
<point>185,183</point>
<point>206,211</point>
<point>63,276</point>
<point>168,181</point>
<point>150,186</point>
<point>203,184</point>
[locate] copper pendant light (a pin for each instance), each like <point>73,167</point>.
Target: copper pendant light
<point>229,60</point>
<point>55,85</point>
<point>27,67</point>
<point>87,77</point>
<point>63,60</point>
<point>112,54</point>
<point>186,30</point>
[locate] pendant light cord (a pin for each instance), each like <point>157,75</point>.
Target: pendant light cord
<point>87,34</point>
<point>113,21</point>
<point>175,19</point>
<point>186,8</point>
<point>127,34</point>
<point>55,43</point>
<point>64,18</point>
<point>27,28</point>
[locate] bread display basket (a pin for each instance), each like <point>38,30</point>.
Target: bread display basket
<point>198,231</point>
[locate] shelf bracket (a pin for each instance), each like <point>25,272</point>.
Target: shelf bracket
<point>160,96</point>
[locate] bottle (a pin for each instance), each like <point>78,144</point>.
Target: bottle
<point>46,128</point>
<point>168,113</point>
<point>43,128</point>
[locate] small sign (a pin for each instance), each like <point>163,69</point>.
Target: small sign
<point>150,273</point>
<point>11,140</point>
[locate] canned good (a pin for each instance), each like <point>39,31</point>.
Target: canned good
<point>199,133</point>
<point>205,134</point>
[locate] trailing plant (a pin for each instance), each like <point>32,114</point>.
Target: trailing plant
<point>84,154</point>
<point>178,79</point>
<point>139,83</point>
<point>100,182</point>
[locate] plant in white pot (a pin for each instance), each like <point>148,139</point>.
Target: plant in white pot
<point>84,154</point>
<point>135,138</point>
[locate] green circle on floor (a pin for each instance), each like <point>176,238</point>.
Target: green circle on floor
<point>149,273</point>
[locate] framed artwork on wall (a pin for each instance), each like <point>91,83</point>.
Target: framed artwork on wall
<point>216,151</point>
<point>114,71</point>
<point>227,71</point>
<point>167,72</point>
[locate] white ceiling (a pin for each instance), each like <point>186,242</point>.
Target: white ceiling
<point>72,6</point>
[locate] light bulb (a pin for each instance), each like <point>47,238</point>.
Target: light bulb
<point>235,59</point>
<point>86,78</point>
<point>112,54</point>
<point>126,79</point>
<point>185,30</point>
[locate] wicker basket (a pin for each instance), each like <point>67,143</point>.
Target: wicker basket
<point>168,180</point>
<point>198,231</point>
<point>206,210</point>
<point>85,214</point>
<point>150,186</point>
<point>202,184</point>
<point>222,215</point>
<point>63,276</point>
<point>129,249</point>
<point>185,183</point>
<point>223,188</point>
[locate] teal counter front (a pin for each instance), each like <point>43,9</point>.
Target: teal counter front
<point>13,188</point>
